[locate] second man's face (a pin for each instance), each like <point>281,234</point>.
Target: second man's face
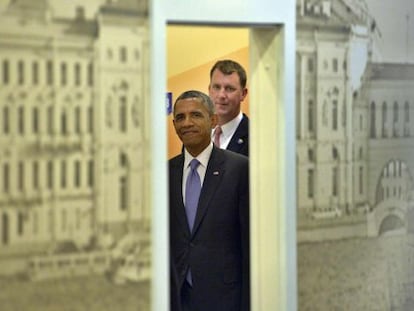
<point>227,94</point>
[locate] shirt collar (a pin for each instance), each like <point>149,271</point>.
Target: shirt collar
<point>203,157</point>
<point>230,127</point>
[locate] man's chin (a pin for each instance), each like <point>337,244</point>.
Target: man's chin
<point>189,142</point>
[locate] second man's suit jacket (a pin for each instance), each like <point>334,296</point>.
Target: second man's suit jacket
<point>218,248</point>
<point>240,140</point>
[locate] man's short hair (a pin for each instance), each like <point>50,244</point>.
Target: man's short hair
<point>227,67</point>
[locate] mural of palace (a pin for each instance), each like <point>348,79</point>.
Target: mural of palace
<point>355,137</point>
<point>355,146</point>
<point>73,125</point>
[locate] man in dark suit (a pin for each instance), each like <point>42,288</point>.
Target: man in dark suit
<point>209,251</point>
<point>227,89</point>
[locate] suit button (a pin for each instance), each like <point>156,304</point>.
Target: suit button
<point>192,244</point>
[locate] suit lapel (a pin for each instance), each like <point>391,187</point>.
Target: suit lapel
<point>212,180</point>
<point>176,180</point>
<point>240,136</point>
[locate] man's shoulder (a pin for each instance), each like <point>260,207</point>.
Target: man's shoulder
<point>232,156</point>
<point>176,160</point>
<point>244,124</point>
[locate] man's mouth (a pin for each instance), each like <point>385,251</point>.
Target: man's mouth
<point>221,105</point>
<point>188,133</point>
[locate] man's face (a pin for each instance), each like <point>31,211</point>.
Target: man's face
<point>227,94</point>
<point>193,124</point>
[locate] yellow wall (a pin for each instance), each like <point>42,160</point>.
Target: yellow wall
<point>194,74</point>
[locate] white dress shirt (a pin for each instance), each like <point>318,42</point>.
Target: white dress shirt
<point>228,130</point>
<point>203,158</point>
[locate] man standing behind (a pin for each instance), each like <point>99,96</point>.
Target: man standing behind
<point>209,214</point>
<point>227,90</point>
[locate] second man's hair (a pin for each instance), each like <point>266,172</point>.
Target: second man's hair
<point>228,66</point>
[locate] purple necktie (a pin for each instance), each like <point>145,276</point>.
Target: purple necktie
<point>192,192</point>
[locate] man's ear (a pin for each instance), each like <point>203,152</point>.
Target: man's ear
<point>245,91</point>
<point>214,120</point>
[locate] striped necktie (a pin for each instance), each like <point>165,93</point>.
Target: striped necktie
<point>217,133</point>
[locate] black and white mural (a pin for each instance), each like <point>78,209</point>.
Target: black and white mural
<point>355,145</point>
<point>74,206</point>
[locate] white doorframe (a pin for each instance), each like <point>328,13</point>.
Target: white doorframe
<point>272,106</point>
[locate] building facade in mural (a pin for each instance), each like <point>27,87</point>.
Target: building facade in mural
<point>73,125</point>
<point>355,145</point>
<point>386,102</point>
<point>354,138</point>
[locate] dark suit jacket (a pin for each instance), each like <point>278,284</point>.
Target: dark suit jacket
<point>218,248</point>
<point>240,141</point>
<point>175,303</point>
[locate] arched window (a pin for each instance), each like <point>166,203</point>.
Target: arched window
<point>78,77</point>
<point>63,74</point>
<point>21,118</point>
<point>20,72</point>
<point>35,120</point>
<point>407,112</point>
<point>77,120</point>
<point>64,123</point>
<point>6,177</point>
<point>310,183</point>
<point>406,119</point>
<point>63,174</point>
<point>35,73</point>
<point>335,172</point>
<point>6,120</point>
<point>311,156</point>
<point>49,175</point>
<point>335,181</point>
<point>311,109</point>
<point>35,175</point>
<point>6,72</point>
<point>384,119</point>
<point>372,120</point>
<point>123,111</point>
<point>90,119</point>
<point>21,176</point>
<point>361,180</point>
<point>50,120</point>
<point>49,72</point>
<point>78,174</point>
<point>123,182</point>
<point>395,119</point>
<point>335,154</point>
<point>334,114</point>
<point>91,173</point>
<point>123,54</point>
<point>90,74</point>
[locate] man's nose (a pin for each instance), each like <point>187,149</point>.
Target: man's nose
<point>222,92</point>
<point>187,120</point>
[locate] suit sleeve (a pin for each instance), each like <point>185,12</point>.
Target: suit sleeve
<point>244,209</point>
